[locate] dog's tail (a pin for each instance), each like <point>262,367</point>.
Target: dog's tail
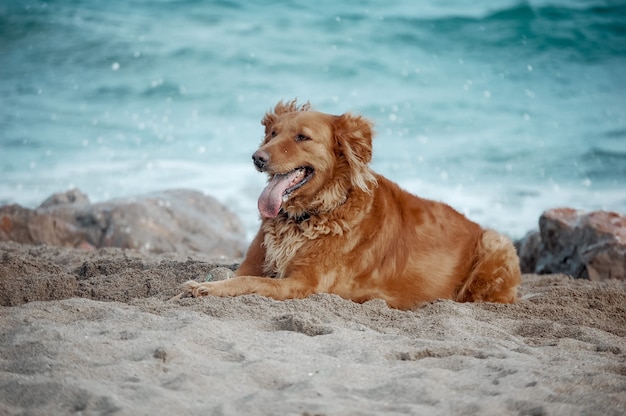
<point>496,272</point>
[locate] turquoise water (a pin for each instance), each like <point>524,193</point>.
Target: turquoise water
<point>500,108</point>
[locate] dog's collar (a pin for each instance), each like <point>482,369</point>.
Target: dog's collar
<point>300,218</point>
<point>303,217</point>
<point>307,215</point>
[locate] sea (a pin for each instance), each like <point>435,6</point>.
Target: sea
<point>500,108</point>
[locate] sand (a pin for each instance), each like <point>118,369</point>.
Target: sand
<point>93,332</point>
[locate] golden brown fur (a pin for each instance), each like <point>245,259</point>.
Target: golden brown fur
<point>354,233</point>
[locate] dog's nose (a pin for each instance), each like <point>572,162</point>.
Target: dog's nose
<point>260,159</point>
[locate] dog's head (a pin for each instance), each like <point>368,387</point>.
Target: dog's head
<point>314,160</point>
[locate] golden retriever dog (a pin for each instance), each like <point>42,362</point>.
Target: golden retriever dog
<point>332,225</point>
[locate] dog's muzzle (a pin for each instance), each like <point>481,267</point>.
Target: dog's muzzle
<point>261,159</point>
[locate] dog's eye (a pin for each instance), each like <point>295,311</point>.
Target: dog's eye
<point>273,134</point>
<point>302,138</point>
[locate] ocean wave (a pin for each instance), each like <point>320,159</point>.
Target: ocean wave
<point>161,88</point>
<point>605,165</point>
<point>606,155</point>
<point>586,34</point>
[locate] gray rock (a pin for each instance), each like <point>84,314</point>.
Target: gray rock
<point>180,221</point>
<point>583,245</point>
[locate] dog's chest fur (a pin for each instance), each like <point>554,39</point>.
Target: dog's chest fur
<point>285,238</point>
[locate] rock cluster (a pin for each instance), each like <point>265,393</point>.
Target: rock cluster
<point>583,245</point>
<point>180,221</point>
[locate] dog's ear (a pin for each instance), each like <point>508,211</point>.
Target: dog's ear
<point>353,136</point>
<point>282,108</point>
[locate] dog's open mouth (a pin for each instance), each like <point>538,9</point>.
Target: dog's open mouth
<point>280,188</point>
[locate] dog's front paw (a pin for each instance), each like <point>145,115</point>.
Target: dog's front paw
<point>196,289</point>
<point>193,289</point>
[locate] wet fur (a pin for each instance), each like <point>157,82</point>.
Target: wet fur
<point>354,233</point>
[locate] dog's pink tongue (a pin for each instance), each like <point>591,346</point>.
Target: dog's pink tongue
<point>272,196</point>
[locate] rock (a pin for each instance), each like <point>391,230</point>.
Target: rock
<point>220,273</point>
<point>73,196</point>
<point>180,221</point>
<point>528,251</point>
<point>583,245</point>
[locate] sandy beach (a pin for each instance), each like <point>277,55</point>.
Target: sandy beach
<point>93,332</point>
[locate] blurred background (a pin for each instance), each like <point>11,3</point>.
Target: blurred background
<point>500,108</point>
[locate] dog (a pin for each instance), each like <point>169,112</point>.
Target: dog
<point>332,225</point>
